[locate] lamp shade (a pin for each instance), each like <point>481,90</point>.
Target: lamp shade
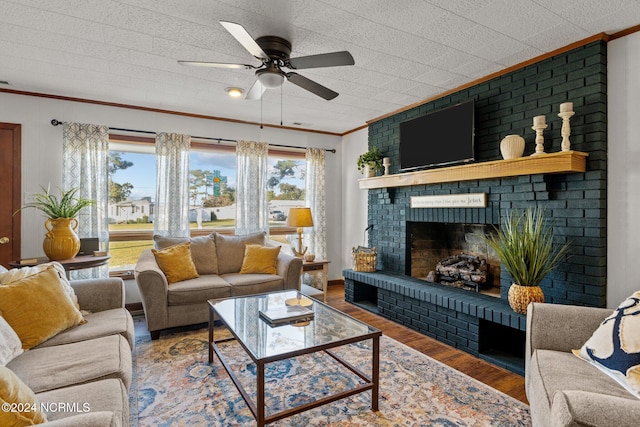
<point>299,217</point>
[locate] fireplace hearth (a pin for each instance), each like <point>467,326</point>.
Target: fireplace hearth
<point>478,324</point>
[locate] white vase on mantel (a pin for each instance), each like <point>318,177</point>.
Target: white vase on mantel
<point>512,147</point>
<point>370,170</point>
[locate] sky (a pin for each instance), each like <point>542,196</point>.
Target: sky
<point>142,173</point>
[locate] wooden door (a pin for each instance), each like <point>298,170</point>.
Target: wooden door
<point>10,189</point>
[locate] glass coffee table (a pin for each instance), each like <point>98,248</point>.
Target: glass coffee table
<point>265,344</point>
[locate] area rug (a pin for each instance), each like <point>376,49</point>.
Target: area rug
<point>174,385</point>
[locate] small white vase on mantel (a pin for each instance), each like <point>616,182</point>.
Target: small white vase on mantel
<point>370,170</point>
<point>512,147</point>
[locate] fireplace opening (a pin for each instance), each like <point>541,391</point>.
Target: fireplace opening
<point>453,254</point>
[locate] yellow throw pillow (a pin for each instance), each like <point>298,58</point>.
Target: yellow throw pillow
<point>230,249</point>
<point>203,250</point>
<point>260,259</point>
<point>14,394</point>
<point>20,273</point>
<point>176,263</point>
<point>37,307</point>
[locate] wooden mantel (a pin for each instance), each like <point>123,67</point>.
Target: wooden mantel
<point>561,162</point>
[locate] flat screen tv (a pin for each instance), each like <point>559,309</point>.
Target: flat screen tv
<point>444,137</point>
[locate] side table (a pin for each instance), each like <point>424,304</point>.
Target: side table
<point>313,266</point>
<point>76,263</point>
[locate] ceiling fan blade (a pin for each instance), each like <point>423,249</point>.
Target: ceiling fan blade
<point>333,59</point>
<point>215,64</point>
<point>245,39</point>
<point>311,86</point>
<point>256,91</point>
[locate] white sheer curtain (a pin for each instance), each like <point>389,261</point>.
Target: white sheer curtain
<point>172,185</point>
<point>85,160</point>
<point>252,206</point>
<point>316,236</point>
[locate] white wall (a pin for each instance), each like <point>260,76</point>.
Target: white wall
<point>623,181</point>
<point>42,152</point>
<point>354,215</point>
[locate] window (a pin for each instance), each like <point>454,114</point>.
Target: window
<point>212,187</point>
<point>212,184</point>
<point>285,186</point>
<point>132,191</point>
<point>286,189</point>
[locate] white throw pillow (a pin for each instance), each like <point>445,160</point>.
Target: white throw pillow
<point>10,344</point>
<point>20,273</point>
<point>614,347</point>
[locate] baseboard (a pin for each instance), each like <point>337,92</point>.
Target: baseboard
<point>335,282</point>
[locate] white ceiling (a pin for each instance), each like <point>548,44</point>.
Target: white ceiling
<point>125,51</point>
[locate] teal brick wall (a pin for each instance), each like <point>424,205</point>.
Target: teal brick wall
<point>506,105</point>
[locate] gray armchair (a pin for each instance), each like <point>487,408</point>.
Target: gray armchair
<point>562,389</point>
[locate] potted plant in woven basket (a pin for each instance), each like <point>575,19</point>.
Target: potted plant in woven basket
<point>61,240</point>
<point>524,244</point>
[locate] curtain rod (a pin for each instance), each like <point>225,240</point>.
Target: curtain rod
<point>55,122</point>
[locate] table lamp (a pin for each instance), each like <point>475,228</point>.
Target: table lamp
<point>299,217</point>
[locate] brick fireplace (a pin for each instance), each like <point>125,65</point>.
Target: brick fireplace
<point>575,201</point>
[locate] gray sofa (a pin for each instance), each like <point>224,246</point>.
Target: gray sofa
<point>562,389</point>
<point>218,260</point>
<point>89,365</point>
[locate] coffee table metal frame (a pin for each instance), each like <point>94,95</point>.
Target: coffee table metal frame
<point>258,408</point>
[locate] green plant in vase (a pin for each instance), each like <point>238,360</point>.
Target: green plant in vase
<point>61,240</point>
<point>524,243</point>
<point>67,205</point>
<point>371,161</point>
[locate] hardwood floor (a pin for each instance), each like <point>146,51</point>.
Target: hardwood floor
<point>496,377</point>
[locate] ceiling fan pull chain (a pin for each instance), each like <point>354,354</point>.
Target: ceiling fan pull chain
<point>261,120</point>
<point>280,105</point>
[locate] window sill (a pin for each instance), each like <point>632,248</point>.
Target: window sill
<point>123,274</point>
<point>121,236</point>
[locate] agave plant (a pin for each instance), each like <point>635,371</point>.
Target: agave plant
<point>67,205</point>
<point>525,246</point>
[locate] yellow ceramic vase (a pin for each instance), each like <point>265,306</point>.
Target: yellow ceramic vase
<point>61,240</point>
<point>521,296</point>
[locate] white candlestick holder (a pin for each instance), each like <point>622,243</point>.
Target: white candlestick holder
<point>539,138</point>
<point>566,129</point>
<point>386,162</point>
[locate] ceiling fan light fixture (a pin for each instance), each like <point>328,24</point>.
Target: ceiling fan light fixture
<point>269,78</point>
<point>234,92</point>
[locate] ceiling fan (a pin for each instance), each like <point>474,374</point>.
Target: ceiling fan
<point>273,52</point>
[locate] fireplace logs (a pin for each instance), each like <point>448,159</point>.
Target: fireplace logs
<point>466,271</point>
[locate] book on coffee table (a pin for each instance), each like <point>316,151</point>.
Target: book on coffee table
<point>286,314</point>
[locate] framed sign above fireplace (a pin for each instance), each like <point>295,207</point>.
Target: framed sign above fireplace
<point>469,200</point>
